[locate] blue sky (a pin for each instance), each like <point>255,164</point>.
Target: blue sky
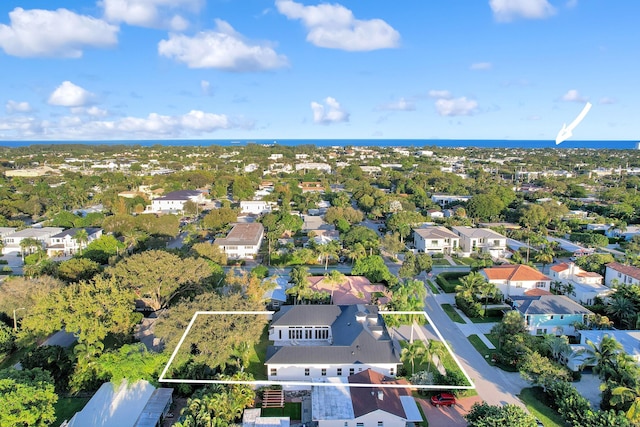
<point>297,69</point>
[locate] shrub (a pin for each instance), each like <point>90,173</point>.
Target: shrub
<point>3,262</point>
<point>469,306</point>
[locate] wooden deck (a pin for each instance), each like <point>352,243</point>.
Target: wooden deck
<point>273,399</point>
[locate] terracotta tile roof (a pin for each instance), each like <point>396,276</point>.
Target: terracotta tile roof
<point>629,270</point>
<point>537,292</point>
<point>354,290</point>
<point>560,267</point>
<point>588,274</point>
<point>517,272</point>
<point>370,399</point>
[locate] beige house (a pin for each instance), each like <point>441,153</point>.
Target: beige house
<point>243,241</point>
<point>435,240</point>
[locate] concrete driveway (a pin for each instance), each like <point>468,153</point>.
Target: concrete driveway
<point>450,416</point>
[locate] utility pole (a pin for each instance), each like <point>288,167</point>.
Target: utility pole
<point>15,322</point>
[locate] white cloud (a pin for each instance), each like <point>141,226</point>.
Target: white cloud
<point>481,66</point>
<point>573,96</point>
<point>334,26</point>
<point>440,94</point>
<point>150,13</point>
<point>456,106</point>
<point>330,112</point>
<point>90,111</point>
<point>155,125</point>
<point>206,88</point>
<point>400,105</point>
<point>17,107</point>
<point>223,48</point>
<point>70,95</point>
<point>608,101</point>
<point>59,33</point>
<point>508,10</point>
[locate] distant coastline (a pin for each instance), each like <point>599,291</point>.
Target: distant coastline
<point>418,143</point>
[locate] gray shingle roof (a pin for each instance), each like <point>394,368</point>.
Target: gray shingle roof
<point>353,343</point>
<point>548,304</point>
<point>435,233</point>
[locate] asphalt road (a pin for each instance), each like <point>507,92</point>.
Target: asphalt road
<point>493,385</point>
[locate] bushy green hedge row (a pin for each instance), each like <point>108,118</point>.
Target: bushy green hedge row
<point>443,280</point>
<point>469,306</point>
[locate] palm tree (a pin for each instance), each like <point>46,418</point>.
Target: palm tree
<point>626,394</point>
<point>327,251</point>
<point>603,355</point>
<point>622,310</point>
<point>300,278</point>
<point>412,352</point>
<point>433,349</point>
<point>469,284</point>
<point>81,237</point>
<point>28,244</point>
<point>487,290</point>
<point>356,252</point>
<point>545,256</point>
<point>558,346</point>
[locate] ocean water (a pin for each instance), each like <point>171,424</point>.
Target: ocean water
<point>416,143</point>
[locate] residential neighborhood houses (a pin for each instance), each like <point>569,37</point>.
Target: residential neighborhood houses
<point>332,241</point>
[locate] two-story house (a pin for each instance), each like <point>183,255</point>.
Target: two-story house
<point>243,241</point>
<point>481,240</point>
<point>255,207</point>
<point>42,234</point>
<point>174,202</point>
<point>435,240</point>
<point>621,274</point>
<point>550,314</point>
<point>582,286</point>
<point>324,341</point>
<point>68,242</point>
<point>515,280</point>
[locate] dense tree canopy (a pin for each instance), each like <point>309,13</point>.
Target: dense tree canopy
<point>27,398</point>
<point>212,338</point>
<point>159,276</point>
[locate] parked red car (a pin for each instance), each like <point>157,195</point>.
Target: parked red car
<point>443,399</point>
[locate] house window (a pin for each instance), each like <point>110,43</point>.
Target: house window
<point>380,424</point>
<point>359,424</point>
<point>351,371</point>
<point>346,424</point>
<point>541,284</point>
<point>541,331</point>
<point>619,275</point>
<point>273,372</point>
<point>434,243</point>
<point>280,334</point>
<point>496,243</point>
<point>518,284</point>
<point>339,372</point>
<point>392,372</point>
<point>306,372</point>
<point>551,317</point>
<point>561,316</point>
<point>324,372</point>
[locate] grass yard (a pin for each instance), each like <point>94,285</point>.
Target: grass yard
<point>293,410</point>
<point>493,316</point>
<point>452,313</point>
<point>535,401</point>
<point>464,261</point>
<point>67,407</point>
<point>440,261</point>
<point>433,287</point>
<point>258,355</point>
<point>480,347</point>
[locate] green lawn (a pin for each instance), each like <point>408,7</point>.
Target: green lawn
<point>481,347</point>
<point>536,402</point>
<point>440,261</point>
<point>293,410</point>
<point>433,287</point>
<point>66,407</point>
<point>452,313</point>
<point>464,261</point>
<point>258,355</point>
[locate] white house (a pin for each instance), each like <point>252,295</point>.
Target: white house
<point>65,243</point>
<point>435,240</point>
<point>243,241</point>
<point>125,405</point>
<point>627,233</point>
<point>514,280</point>
<point>42,235</point>
<point>324,341</point>
<point>341,405</point>
<point>322,167</point>
<point>173,202</point>
<point>255,207</point>
<point>447,199</point>
<point>621,274</point>
<point>481,240</point>
<point>586,285</point>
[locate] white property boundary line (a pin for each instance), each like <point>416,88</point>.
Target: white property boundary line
<point>162,379</point>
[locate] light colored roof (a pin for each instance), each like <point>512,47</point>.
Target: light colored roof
<point>36,232</point>
<point>477,233</point>
<point>629,339</point>
<point>628,270</point>
<point>155,407</point>
<point>114,405</point>
<point>332,403</point>
<point>180,195</point>
<point>435,233</point>
<point>278,293</point>
<point>244,234</point>
<point>518,272</point>
<point>548,304</point>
